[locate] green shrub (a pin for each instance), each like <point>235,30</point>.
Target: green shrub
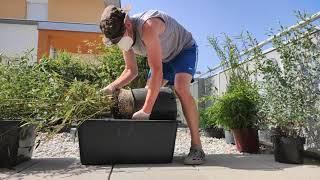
<point>237,108</point>
<point>62,91</point>
<point>290,85</point>
<point>49,97</point>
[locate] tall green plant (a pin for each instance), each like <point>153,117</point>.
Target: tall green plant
<point>237,107</point>
<point>49,95</point>
<point>25,90</point>
<point>290,85</point>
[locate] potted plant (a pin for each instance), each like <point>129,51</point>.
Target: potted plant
<point>23,95</point>
<point>236,109</point>
<point>290,92</point>
<point>104,140</point>
<point>37,97</point>
<point>210,127</point>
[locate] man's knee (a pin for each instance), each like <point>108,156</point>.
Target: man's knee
<point>182,90</point>
<point>182,84</point>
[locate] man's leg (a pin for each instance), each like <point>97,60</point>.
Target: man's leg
<point>182,88</point>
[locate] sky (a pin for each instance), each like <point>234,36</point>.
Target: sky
<point>205,18</point>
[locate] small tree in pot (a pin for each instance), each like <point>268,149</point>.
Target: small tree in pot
<point>290,90</point>
<point>237,108</point>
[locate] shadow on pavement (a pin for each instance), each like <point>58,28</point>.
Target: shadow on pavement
<point>233,161</point>
<point>52,167</point>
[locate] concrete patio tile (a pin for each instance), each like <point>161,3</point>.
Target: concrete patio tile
<point>296,173</point>
<point>61,168</point>
<point>239,174</point>
<point>5,173</point>
<point>172,175</point>
<point>255,167</point>
<point>310,172</point>
<point>177,164</point>
<point>152,174</point>
<point>242,161</point>
<point>172,171</point>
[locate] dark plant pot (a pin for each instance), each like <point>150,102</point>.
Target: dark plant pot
<point>246,140</point>
<point>121,141</point>
<point>288,149</point>
<point>131,101</point>
<point>214,132</point>
<point>229,138</point>
<point>16,143</point>
<point>165,106</point>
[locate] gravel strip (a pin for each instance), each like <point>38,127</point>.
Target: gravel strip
<point>63,145</point>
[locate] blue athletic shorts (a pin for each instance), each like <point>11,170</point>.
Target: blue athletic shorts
<point>185,62</point>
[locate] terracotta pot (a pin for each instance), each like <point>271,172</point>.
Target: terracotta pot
<point>246,140</point>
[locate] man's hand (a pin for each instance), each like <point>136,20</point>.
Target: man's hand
<point>140,115</point>
<point>108,90</point>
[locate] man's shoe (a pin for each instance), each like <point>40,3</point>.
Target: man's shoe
<point>196,156</point>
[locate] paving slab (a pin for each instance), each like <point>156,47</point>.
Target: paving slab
<point>59,168</point>
<point>243,161</point>
<point>175,170</point>
<point>255,167</point>
<point>5,173</point>
<point>219,166</point>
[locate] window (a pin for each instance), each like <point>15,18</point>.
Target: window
<point>37,10</point>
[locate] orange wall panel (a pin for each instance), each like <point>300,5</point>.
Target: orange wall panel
<point>79,11</point>
<point>13,9</point>
<point>65,40</point>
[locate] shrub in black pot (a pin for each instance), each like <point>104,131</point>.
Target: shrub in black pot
<point>21,101</point>
<point>288,149</point>
<point>209,126</point>
<point>290,91</point>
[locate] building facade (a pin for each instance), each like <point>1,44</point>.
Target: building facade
<point>46,25</point>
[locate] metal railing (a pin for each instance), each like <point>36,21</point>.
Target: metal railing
<point>302,23</point>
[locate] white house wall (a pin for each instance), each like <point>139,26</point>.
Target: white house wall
<point>15,39</point>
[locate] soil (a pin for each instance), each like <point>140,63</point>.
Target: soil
<point>124,104</point>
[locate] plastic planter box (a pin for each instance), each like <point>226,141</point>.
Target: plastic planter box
<point>16,143</point>
<point>121,141</point>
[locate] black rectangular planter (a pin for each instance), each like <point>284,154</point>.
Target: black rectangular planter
<point>16,143</point>
<point>120,141</point>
